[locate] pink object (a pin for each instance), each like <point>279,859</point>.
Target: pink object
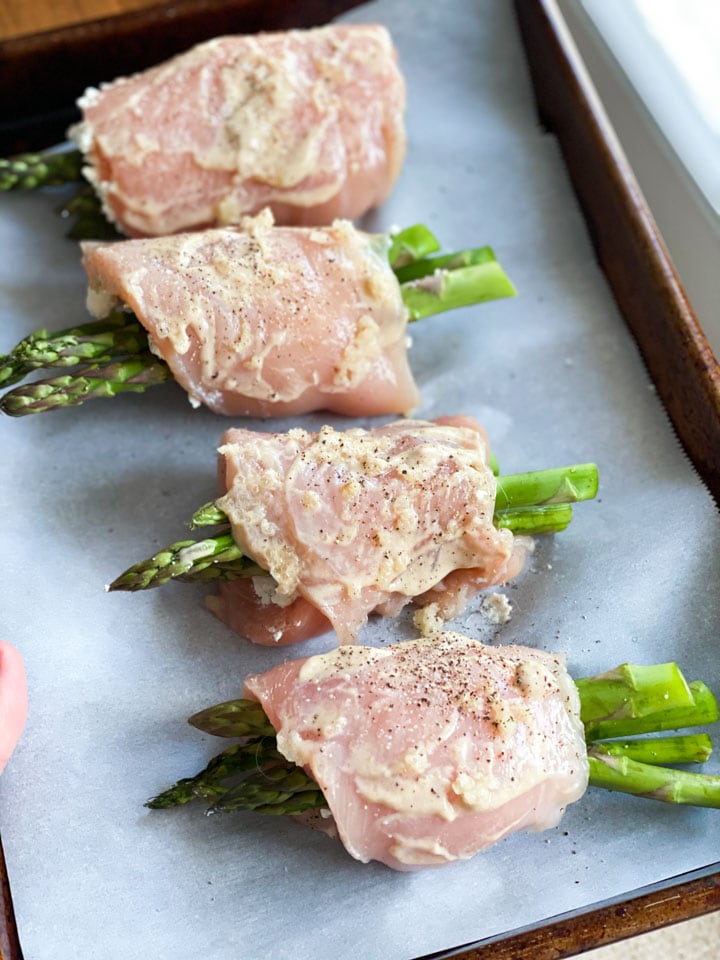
<point>430,750</point>
<point>13,700</point>
<point>360,521</point>
<point>307,122</point>
<point>267,321</point>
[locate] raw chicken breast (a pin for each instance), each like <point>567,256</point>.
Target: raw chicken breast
<point>266,321</point>
<point>253,609</point>
<point>13,700</point>
<point>308,122</point>
<point>359,521</point>
<point>430,750</point>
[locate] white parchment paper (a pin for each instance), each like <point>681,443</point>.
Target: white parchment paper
<point>554,376</point>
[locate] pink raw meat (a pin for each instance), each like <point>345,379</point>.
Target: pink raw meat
<point>359,521</point>
<point>430,750</point>
<point>308,122</point>
<point>266,321</point>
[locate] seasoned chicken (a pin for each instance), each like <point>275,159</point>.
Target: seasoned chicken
<point>266,321</point>
<point>356,521</point>
<point>430,750</point>
<point>308,122</point>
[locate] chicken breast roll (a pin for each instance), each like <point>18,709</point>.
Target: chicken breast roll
<point>431,750</point>
<point>266,321</point>
<point>307,122</point>
<point>355,521</point>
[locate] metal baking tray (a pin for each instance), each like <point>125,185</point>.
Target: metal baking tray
<point>665,365</point>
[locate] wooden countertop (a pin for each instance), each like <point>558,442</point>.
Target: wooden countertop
<point>52,50</point>
<point>19,18</point>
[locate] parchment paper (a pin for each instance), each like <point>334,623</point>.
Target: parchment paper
<point>555,378</point>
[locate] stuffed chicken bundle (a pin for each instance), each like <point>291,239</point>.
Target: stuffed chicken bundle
<point>307,122</point>
<point>428,751</point>
<point>265,320</point>
<point>255,319</point>
<point>358,521</point>
<point>321,529</point>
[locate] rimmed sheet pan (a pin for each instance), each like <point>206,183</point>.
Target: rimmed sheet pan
<point>508,176</point>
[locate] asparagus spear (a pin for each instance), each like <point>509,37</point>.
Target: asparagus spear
<point>208,784</point>
<point>200,561</point>
<point>90,222</point>
<point>629,767</point>
<point>703,709</point>
<point>688,748</point>
<point>425,266</point>
<point>559,485</point>
<point>409,245</point>
<point>208,515</point>
<point>653,782</point>
<point>533,521</point>
<point>98,341</point>
<point>234,718</point>
<point>631,692</point>
<point>278,789</point>
<point>134,374</point>
<point>28,171</point>
<point>219,557</point>
<point>448,289</point>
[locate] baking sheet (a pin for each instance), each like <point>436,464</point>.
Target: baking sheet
<point>555,378</point>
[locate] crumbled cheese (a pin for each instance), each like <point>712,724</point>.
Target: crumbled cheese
<point>496,608</point>
<point>428,620</point>
<point>266,591</point>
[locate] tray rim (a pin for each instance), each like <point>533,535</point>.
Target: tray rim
<point>636,262</point>
<point>684,897</point>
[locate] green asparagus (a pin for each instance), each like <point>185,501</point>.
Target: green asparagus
<point>234,718</point>
<point>658,716</point>
<point>630,691</point>
<point>653,782</point>
<point>532,521</point>
<point>208,515</point>
<point>282,788</point>
<point>89,220</point>
<point>410,245</point>
<point>28,171</point>
<point>208,784</point>
<point>202,561</point>
<point>133,374</point>
<point>558,485</point>
<point>688,748</point>
<point>219,558</point>
<point>449,289</point>
<point>99,341</point>
<point>416,269</point>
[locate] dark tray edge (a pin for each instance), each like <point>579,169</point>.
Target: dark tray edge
<point>627,241</point>
<point>9,942</point>
<point>696,894</point>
